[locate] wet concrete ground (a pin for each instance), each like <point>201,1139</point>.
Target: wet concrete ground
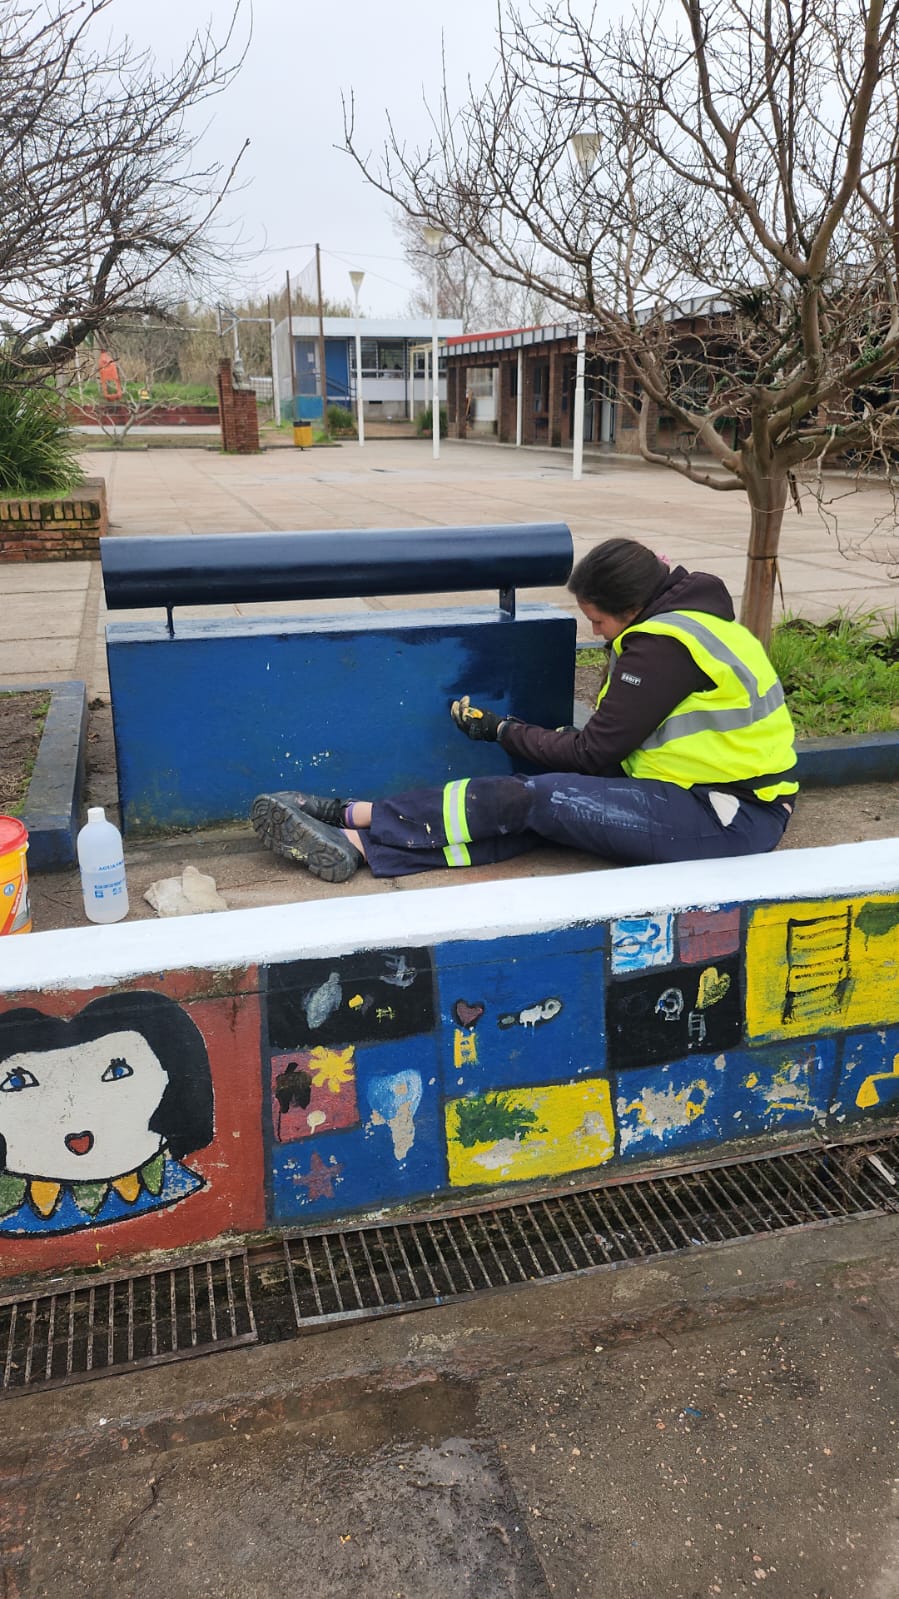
<point>717,1423</point>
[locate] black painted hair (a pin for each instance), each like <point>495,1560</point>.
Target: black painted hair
<point>184,1115</point>
<point>618,576</point>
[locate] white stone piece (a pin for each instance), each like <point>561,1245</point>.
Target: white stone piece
<point>186,895</point>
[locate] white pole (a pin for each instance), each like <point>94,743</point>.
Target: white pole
<point>519,399</point>
<point>433,238</point>
<point>577,457</point>
<point>276,379</point>
<point>356,280</point>
<point>435,368</point>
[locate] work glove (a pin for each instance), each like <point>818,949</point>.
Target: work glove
<point>475,723</point>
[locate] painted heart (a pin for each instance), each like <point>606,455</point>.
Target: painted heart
<point>467,1015</point>
<point>713,985</point>
<point>80,1143</point>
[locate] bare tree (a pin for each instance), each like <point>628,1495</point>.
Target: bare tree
<point>105,209</point>
<point>465,287</point>
<point>741,156</point>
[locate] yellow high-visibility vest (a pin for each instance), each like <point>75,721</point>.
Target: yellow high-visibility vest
<point>738,732</point>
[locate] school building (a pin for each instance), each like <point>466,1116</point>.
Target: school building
<point>396,357</point>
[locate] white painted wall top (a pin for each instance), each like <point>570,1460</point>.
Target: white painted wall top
<point>96,956</point>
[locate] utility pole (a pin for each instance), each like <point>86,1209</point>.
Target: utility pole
<point>321,340</point>
<point>276,376</point>
<point>293,368</point>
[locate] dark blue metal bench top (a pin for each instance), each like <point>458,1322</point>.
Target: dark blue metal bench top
<point>224,568</point>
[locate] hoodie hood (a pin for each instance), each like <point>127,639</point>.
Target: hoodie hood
<point>681,590</point>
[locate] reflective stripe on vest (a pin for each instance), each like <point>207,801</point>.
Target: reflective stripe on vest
<point>455,827</point>
<point>760,705</point>
<point>750,742</point>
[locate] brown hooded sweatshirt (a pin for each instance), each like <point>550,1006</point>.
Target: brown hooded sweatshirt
<point>652,676</point>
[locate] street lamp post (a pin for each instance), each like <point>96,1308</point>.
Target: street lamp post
<point>433,238</point>
<point>356,280</point>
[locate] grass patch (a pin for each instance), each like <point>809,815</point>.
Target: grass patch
<point>839,676</point>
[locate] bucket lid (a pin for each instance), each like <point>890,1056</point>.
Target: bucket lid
<point>12,834</point>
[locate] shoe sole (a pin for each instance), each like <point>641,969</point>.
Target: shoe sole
<point>299,840</point>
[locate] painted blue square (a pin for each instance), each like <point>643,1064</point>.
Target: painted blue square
<point>394,1155</point>
<point>518,1011</point>
<point>714,1099</point>
<point>642,941</point>
<point>868,1086</point>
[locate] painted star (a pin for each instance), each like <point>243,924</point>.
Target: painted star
<point>319,1180</point>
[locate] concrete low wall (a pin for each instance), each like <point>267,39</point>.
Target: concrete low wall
<point>167,1084</point>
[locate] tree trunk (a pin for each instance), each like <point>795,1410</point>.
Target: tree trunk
<point>767,499</point>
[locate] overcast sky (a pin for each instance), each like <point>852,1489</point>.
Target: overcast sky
<point>297,187</point>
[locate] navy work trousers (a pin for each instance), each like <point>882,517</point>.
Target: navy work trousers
<point>619,818</point>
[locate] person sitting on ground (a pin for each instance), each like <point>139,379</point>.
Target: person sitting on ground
<point>688,756</point>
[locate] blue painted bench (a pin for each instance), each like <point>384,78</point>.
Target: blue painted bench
<point>209,712</point>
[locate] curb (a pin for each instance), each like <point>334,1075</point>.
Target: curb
<point>53,801</point>
<point>850,758</point>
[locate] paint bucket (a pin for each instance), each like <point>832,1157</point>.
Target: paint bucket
<point>15,916</point>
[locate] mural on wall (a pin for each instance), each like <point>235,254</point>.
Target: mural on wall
<point>98,1113</point>
<point>532,1057</point>
<point>399,1077</point>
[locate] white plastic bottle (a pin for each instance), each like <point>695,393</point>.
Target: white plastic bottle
<point>102,862</point>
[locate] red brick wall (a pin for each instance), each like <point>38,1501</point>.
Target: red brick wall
<point>45,529</point>
<point>239,417</point>
<point>162,416</point>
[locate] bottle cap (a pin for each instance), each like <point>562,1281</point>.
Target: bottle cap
<point>96,813</point>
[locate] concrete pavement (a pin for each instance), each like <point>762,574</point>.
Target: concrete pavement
<point>711,1425</point>
<point>52,616</point>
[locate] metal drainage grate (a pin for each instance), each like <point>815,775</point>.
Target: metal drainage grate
<point>117,1323</point>
<point>120,1322</point>
<point>378,1270</point>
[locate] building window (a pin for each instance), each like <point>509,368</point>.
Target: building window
<point>419,367</point>
<point>513,380</point>
<point>381,358</point>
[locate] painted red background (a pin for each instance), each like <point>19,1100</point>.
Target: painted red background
<point>225,1007</point>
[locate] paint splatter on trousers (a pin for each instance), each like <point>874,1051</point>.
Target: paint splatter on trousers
<point>485,819</point>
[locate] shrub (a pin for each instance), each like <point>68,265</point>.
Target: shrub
<point>425,426</point>
<point>840,675</point>
<point>37,455</point>
<point>341,423</point>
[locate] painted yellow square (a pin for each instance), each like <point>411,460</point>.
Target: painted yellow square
<point>574,1129</point>
<point>822,966</point>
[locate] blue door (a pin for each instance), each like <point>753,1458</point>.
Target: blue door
<point>338,369</point>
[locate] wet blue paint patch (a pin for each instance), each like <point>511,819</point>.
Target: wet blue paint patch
<point>869,1081</point>
<point>715,1099</point>
<point>521,1011</point>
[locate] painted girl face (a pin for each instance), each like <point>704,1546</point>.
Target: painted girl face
<point>81,1114</point>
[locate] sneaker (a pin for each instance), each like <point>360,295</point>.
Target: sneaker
<point>284,827</point>
<point>323,808</point>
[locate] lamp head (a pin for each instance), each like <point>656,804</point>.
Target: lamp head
<point>586,148</point>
